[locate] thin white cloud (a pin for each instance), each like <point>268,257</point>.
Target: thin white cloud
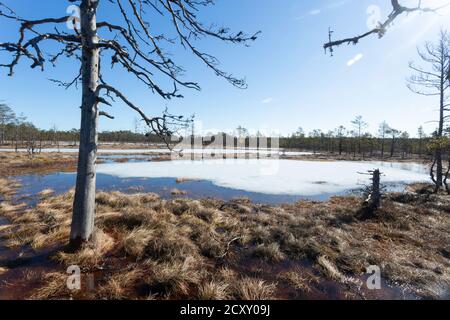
<point>267,100</point>
<point>337,4</point>
<point>331,6</point>
<point>358,57</point>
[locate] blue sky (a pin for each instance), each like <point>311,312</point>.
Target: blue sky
<point>291,81</point>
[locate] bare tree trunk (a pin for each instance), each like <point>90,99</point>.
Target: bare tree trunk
<point>372,203</point>
<point>439,169</point>
<point>376,195</point>
<point>392,147</point>
<point>84,202</point>
<point>446,178</point>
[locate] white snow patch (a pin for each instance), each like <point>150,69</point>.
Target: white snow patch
<point>288,177</point>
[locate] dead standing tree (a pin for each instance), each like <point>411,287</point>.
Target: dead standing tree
<point>372,194</point>
<point>397,10</point>
<point>431,81</point>
<point>382,27</point>
<point>129,44</point>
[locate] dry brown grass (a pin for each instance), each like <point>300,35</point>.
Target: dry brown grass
<point>177,192</point>
<point>255,289</point>
<point>7,188</point>
<point>148,247</point>
<point>214,290</point>
<point>20,163</point>
<point>54,285</point>
<point>121,285</point>
<point>270,252</point>
<point>90,254</point>
<point>174,279</point>
<point>329,269</point>
<point>3,270</point>
<point>296,280</point>
<point>183,180</point>
<point>46,193</point>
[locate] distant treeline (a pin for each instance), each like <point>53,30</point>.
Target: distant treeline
<point>402,145</point>
<point>16,131</point>
<point>397,145</point>
<point>27,132</point>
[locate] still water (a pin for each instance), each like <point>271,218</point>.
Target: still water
<point>264,181</point>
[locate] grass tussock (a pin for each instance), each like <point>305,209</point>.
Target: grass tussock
<point>46,193</point>
<point>255,289</point>
<point>213,290</point>
<point>295,279</point>
<point>53,285</point>
<point>270,252</point>
<point>91,254</point>
<point>178,192</point>
<point>146,247</point>
<point>20,163</point>
<point>3,270</point>
<point>7,188</point>
<point>121,285</point>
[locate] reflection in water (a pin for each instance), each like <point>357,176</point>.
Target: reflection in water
<point>408,166</point>
<point>61,182</point>
<point>282,177</point>
<point>110,158</point>
<point>320,187</point>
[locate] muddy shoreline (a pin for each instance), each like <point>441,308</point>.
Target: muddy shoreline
<point>148,247</point>
<point>180,248</point>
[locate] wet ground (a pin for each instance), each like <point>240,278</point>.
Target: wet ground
<point>24,263</point>
<point>320,288</point>
<point>225,180</point>
<point>62,182</point>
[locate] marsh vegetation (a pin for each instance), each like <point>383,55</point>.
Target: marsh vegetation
<point>148,247</point>
<point>257,216</point>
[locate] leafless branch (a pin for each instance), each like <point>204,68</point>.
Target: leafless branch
<point>164,126</point>
<point>381,29</point>
<point>130,43</point>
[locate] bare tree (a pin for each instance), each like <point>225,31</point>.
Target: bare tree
<point>130,44</point>
<point>340,133</point>
<point>382,133</point>
<point>431,81</point>
<point>55,136</point>
<point>394,133</point>
<point>6,116</point>
<point>405,144</point>
<point>421,135</point>
<point>359,124</point>
<point>372,194</point>
<point>300,133</point>
<point>242,132</point>
<point>397,10</point>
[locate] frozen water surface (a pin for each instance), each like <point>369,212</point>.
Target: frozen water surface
<point>287,177</point>
<point>263,181</point>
